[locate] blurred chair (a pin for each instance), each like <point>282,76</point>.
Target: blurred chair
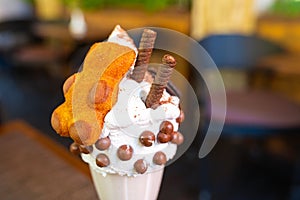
<point>20,47</point>
<point>1,117</point>
<point>13,34</point>
<point>251,113</point>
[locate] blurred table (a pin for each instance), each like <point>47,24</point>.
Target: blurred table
<point>35,167</point>
<point>285,64</point>
<point>100,23</point>
<point>282,30</point>
<point>282,74</point>
<point>53,30</point>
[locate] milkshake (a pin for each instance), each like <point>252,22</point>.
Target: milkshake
<point>124,123</point>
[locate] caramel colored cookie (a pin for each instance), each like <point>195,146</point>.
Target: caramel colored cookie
<point>91,93</point>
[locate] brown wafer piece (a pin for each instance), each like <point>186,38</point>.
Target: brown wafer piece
<point>145,50</point>
<point>92,92</point>
<point>160,82</point>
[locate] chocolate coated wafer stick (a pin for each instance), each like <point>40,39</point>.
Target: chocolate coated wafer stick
<point>160,82</point>
<point>145,50</point>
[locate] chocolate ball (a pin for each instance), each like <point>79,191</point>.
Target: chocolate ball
<point>74,148</point>
<point>102,160</point>
<point>177,138</point>
<point>103,143</point>
<point>147,138</point>
<point>166,127</point>
<point>163,138</point>
<point>86,149</point>
<point>160,158</point>
<point>140,166</point>
<point>180,119</point>
<point>125,152</point>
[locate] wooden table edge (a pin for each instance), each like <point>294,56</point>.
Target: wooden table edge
<point>35,134</point>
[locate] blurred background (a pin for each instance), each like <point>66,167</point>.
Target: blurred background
<point>254,43</point>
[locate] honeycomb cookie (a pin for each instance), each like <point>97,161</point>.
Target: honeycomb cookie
<point>91,93</point>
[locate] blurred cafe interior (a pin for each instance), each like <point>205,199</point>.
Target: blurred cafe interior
<point>255,45</point>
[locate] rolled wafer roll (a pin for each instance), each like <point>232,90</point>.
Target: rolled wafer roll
<point>171,88</point>
<point>145,50</point>
<point>160,82</point>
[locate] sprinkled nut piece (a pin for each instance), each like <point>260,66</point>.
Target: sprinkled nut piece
<point>86,149</point>
<point>103,143</point>
<point>68,83</point>
<point>163,138</point>
<point>100,92</point>
<point>160,158</point>
<point>147,138</point>
<point>125,152</point>
<point>177,138</point>
<point>102,160</point>
<point>140,166</point>
<point>74,148</point>
<point>180,119</point>
<point>166,127</point>
<point>56,124</point>
<point>80,131</point>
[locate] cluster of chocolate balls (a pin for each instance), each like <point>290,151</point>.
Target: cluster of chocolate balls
<point>125,152</point>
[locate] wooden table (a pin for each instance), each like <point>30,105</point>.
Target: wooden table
<point>34,167</point>
<point>282,74</point>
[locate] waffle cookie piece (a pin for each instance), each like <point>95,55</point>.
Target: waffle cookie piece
<point>91,93</point>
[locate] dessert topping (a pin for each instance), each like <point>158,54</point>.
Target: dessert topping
<point>140,166</point>
<point>85,149</point>
<point>160,82</point>
<point>125,152</point>
<point>180,119</point>
<point>81,128</point>
<point>177,138</point>
<point>166,127</point>
<point>103,143</point>
<point>163,138</point>
<point>105,61</point>
<point>74,148</point>
<point>68,83</point>
<point>147,138</point>
<point>160,158</point>
<point>100,92</point>
<point>145,50</point>
<point>102,160</point>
